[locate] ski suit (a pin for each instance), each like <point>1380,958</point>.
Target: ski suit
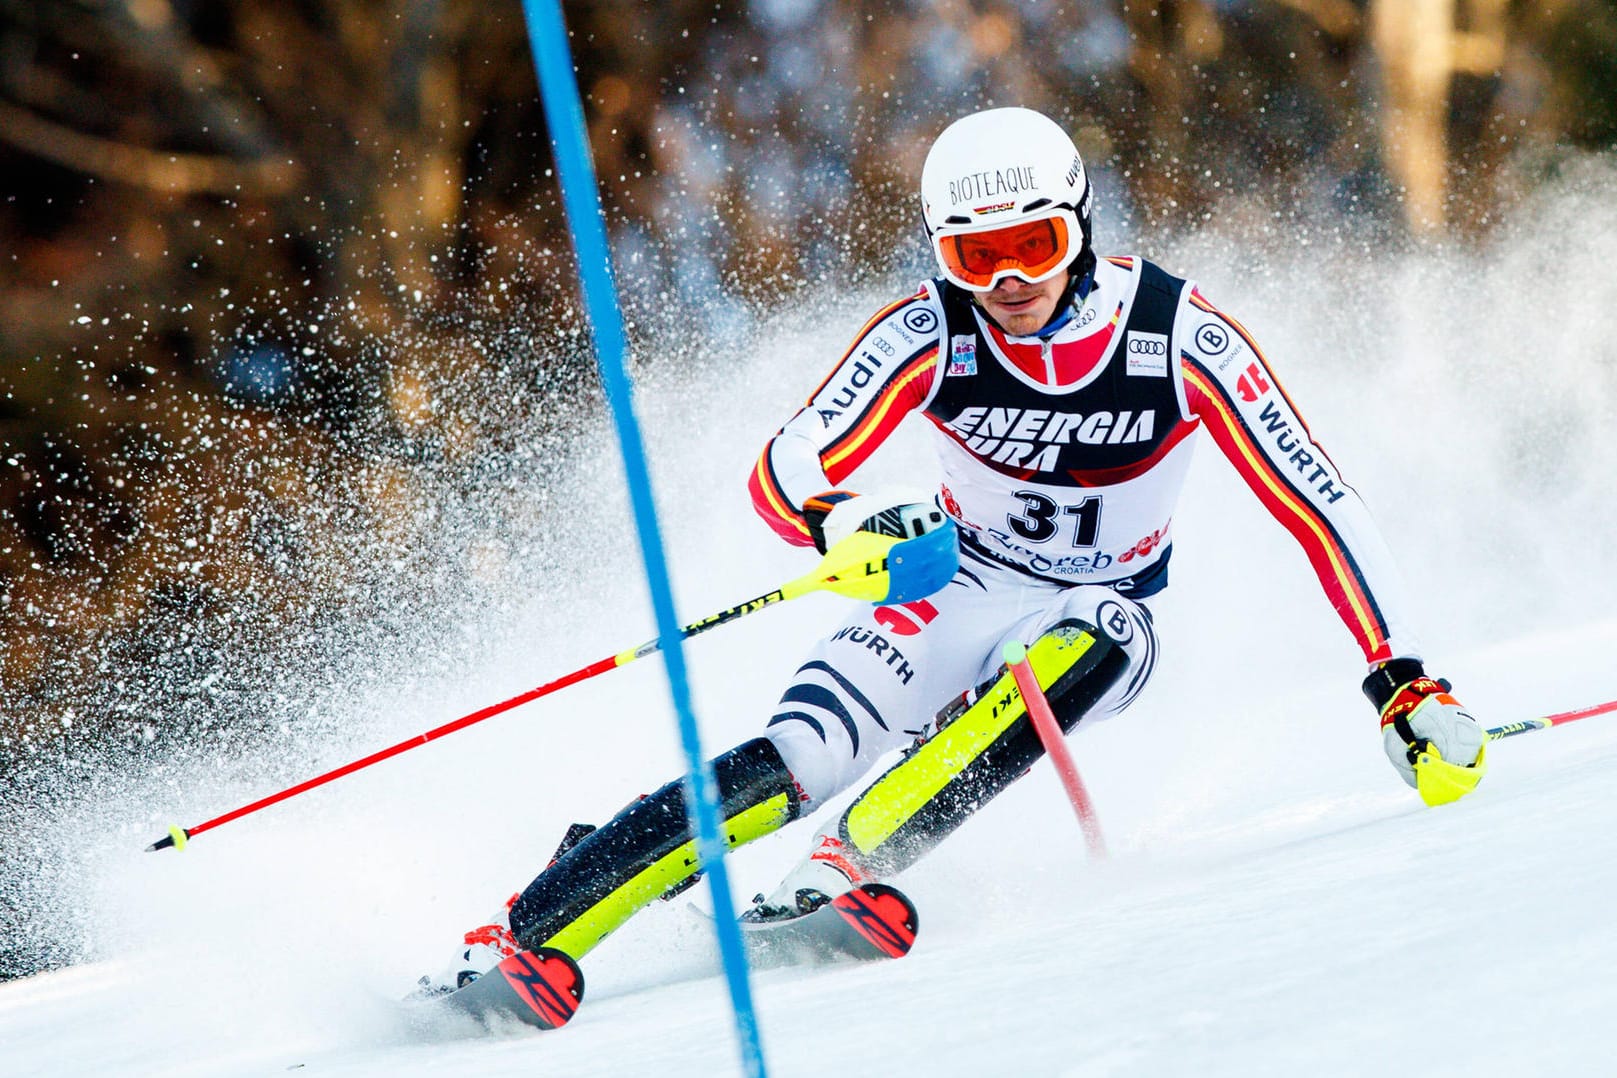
<point>1062,458</point>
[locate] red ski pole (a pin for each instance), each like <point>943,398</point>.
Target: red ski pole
<point>1511,729</point>
<point>1044,721</point>
<point>177,836</point>
<point>856,567</point>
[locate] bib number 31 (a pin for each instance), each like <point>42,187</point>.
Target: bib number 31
<point>1043,518</point>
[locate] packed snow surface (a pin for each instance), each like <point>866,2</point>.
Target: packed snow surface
<point>1275,900</point>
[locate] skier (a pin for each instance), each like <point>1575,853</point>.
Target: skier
<point>1064,393</point>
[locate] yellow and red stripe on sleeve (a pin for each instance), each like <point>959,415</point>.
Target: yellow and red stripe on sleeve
<point>1200,302</point>
<point>819,450</point>
<point>904,392</point>
<point>864,331</point>
<point>1332,562</point>
<point>771,503</point>
<point>902,395</point>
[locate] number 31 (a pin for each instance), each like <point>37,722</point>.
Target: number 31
<point>1038,523</point>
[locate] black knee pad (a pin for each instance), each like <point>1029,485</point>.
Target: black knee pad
<point>983,744</point>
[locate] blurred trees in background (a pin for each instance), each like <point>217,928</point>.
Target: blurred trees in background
<point>274,268</point>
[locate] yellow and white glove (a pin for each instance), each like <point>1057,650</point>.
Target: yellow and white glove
<point>1437,746</point>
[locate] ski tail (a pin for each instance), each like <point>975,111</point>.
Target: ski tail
<point>881,916</point>
<point>871,922</point>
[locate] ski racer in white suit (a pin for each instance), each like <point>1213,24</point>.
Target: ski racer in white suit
<point>1064,394</point>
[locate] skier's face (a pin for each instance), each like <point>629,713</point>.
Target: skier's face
<point>1021,308</point>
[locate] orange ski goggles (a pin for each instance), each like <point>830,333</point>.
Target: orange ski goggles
<point>1033,250</point>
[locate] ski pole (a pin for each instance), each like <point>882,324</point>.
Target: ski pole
<point>1044,721</point>
<point>876,568</point>
<point>1441,782</point>
<point>1511,729</point>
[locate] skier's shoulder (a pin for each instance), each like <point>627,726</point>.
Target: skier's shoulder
<point>908,325</point>
<point>1147,273</point>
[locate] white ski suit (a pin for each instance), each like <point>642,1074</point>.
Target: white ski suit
<point>1061,458</point>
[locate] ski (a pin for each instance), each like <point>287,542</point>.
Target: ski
<point>870,922</point>
<point>542,988</point>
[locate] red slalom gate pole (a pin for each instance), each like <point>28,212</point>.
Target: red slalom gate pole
<point>1044,721</point>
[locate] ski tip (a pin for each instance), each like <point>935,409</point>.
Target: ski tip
<point>176,838</point>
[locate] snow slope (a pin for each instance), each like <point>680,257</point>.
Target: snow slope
<point>1275,900</point>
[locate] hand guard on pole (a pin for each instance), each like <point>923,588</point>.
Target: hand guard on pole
<point>1436,746</point>
<point>923,559</point>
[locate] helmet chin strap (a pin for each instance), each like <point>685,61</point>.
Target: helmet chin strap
<point>1080,279</point>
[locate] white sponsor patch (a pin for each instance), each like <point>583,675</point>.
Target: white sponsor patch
<point>1147,354</point>
<point>962,355</point>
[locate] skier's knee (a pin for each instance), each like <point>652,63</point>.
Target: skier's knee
<point>816,771</point>
<point>827,731</point>
<point>982,744</point>
<point>1127,625</point>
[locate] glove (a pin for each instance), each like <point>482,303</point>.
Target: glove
<point>1420,720</point>
<point>837,514</point>
<point>817,508</point>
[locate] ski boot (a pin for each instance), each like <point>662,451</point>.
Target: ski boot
<point>826,874</point>
<point>483,948</point>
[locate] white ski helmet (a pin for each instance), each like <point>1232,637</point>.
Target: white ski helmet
<point>1004,192</point>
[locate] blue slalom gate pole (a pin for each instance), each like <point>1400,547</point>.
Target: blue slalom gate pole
<point>564,112</point>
